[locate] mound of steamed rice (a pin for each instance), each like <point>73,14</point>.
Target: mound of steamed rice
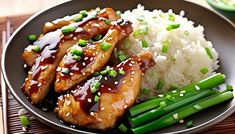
<point>186,60</point>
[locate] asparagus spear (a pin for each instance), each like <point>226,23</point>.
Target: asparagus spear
<point>160,111</point>
<point>208,83</point>
<point>183,112</point>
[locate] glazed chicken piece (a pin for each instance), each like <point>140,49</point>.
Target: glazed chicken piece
<point>54,46</point>
<point>94,56</point>
<point>87,28</point>
<point>100,101</point>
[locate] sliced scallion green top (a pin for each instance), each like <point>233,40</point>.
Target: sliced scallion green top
<point>76,50</point>
<point>83,13</point>
<point>143,30</point>
<point>78,18</point>
<point>144,43</point>
<point>32,37</point>
<point>122,57</point>
<point>113,73</point>
<point>165,46</point>
<point>97,37</point>
<point>24,120</point>
<point>172,27</point>
<point>171,17</point>
<point>82,42</point>
<point>105,46</point>
<point>36,48</point>
<point>208,51</point>
<point>118,13</point>
<point>107,21</point>
<point>68,29</point>
<point>204,70</point>
<point>95,86</point>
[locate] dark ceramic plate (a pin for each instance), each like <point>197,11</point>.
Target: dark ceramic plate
<point>219,30</point>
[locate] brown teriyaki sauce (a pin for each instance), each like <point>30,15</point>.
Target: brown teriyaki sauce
<point>49,46</point>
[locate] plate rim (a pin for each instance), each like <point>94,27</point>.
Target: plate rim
<point>197,128</point>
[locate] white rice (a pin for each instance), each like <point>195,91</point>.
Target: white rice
<point>186,56</point>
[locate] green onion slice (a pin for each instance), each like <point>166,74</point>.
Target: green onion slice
<point>160,85</point>
<point>36,48</point>
<point>105,46</point>
<point>165,46</point>
<point>113,73</point>
<point>204,70</point>
<point>122,128</point>
<point>24,120</point>
<point>82,42</point>
<point>32,37</point>
<point>208,51</point>
<point>171,17</point>
<point>144,43</point>
<point>78,18</point>
<point>172,27</point>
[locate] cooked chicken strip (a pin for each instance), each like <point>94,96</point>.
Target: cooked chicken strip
<point>42,74</point>
<point>102,100</point>
<point>93,58</point>
<point>90,27</point>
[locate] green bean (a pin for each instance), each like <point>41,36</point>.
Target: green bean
<point>208,83</point>
<point>183,112</point>
<point>160,111</point>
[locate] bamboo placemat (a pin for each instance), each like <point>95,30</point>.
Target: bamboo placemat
<point>227,126</point>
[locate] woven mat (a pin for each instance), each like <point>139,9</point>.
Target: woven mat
<point>227,126</point>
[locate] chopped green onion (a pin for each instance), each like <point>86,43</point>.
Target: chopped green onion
<point>76,50</point>
<point>95,86</point>
<point>204,70</point>
<point>105,71</point>
<point>82,42</point>
<point>32,37</point>
<point>105,46</point>
<point>197,107</point>
<point>145,91</point>
<point>65,71</point>
<point>154,17</point>
<point>122,57</point>
<point>68,29</point>
<point>96,73</point>
<point>24,120</point>
<point>96,99</point>
<point>165,46</point>
<point>162,104</point>
<point>78,18</point>
<point>122,72</point>
<point>186,32</point>
<point>113,73</point>
<point>172,26</point>
<point>169,97</point>
<point>208,51</point>
<point>118,13</point>
<point>97,37</point>
<point>36,48</point>
<point>122,128</point>
<point>229,87</point>
<point>171,17</point>
<point>143,30</point>
<point>83,13</point>
<point>127,44</point>
<point>144,43</point>
<point>107,21</point>
<point>140,18</point>
<point>77,58</point>
<point>160,84</point>
<point>189,124</point>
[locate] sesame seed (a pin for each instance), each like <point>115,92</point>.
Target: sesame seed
<point>91,59</point>
<point>99,93</point>
<point>83,63</point>
<point>124,81</point>
<point>57,80</point>
<point>58,69</point>
<point>89,100</point>
<point>181,95</point>
<point>125,106</point>
<point>116,82</point>
<point>130,64</point>
<point>160,95</point>
<point>44,67</point>
<point>53,57</point>
<point>102,86</point>
<point>181,121</point>
<point>92,113</point>
<point>25,65</point>
<point>39,84</point>
<point>132,72</point>
<point>174,91</point>
<point>67,114</point>
<point>67,95</point>
<point>73,91</point>
<point>71,74</point>
<point>83,73</point>
<point>105,78</point>
<point>183,91</point>
<point>30,72</point>
<point>197,87</point>
<point>42,59</point>
<point>109,89</point>
<point>86,58</point>
<point>26,79</point>
<point>132,79</point>
<point>75,38</point>
<point>102,109</point>
<point>29,87</point>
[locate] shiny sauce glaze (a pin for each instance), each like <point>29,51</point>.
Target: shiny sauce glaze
<point>76,67</point>
<point>49,44</point>
<point>108,83</point>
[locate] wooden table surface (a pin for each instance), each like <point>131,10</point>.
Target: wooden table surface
<point>227,126</point>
